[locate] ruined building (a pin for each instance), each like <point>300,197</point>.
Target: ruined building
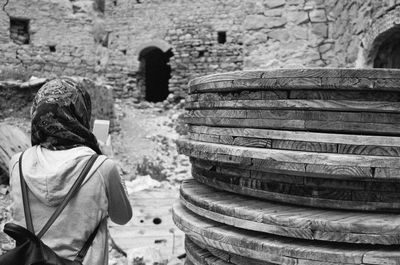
<point>149,48</point>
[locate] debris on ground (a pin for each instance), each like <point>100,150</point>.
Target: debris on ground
<point>141,183</point>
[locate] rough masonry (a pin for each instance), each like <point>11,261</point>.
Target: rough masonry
<point>110,39</point>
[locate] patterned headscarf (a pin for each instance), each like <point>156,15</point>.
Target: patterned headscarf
<point>61,114</point>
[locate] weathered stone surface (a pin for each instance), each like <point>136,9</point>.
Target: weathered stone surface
<point>258,37</point>
<point>275,22</point>
<point>300,32</point>
<point>75,38</point>
<point>253,22</point>
<point>318,15</point>
<point>320,29</point>
<point>325,47</point>
<point>297,17</point>
<point>295,2</point>
<point>279,34</point>
<point>274,3</point>
<point>273,12</point>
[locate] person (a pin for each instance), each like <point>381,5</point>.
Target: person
<point>61,145</point>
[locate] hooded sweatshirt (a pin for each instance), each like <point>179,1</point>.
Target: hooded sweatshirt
<point>49,176</point>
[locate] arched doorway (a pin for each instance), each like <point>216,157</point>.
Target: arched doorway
<point>388,53</point>
<point>154,73</point>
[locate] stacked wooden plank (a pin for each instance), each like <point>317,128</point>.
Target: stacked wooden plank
<point>293,166</point>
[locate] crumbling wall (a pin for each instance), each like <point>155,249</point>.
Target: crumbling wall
<point>286,33</point>
<point>190,27</point>
<point>61,37</point>
<point>357,26</point>
<point>209,40</point>
<point>97,38</point>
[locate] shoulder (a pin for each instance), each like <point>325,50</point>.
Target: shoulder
<point>15,158</point>
<point>107,168</point>
<point>106,164</point>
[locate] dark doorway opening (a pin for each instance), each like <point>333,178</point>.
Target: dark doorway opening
<point>19,30</point>
<point>221,37</point>
<point>388,55</point>
<point>154,73</point>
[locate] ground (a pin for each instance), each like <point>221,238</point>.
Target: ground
<point>144,147</point>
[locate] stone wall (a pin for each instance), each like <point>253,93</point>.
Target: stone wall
<point>61,38</point>
<point>357,27</point>
<point>82,37</point>
<point>289,33</point>
<point>189,27</point>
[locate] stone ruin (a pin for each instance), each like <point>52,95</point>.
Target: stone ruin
<point>127,43</point>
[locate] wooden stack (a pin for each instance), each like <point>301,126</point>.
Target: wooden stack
<point>293,166</point>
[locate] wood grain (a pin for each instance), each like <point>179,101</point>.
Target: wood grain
<point>301,72</point>
<point>390,129</point>
<point>199,256</point>
<point>292,166</point>
<point>309,146</point>
<point>343,95</point>
<point>287,156</point>
<point>203,254</point>
<point>227,256</point>
<point>309,179</point>
<point>315,192</point>
<point>276,249</point>
<point>299,104</point>
<point>345,139</point>
<point>324,94</point>
<point>290,221</point>
<point>271,165</point>
<point>238,95</point>
<point>307,115</point>
<point>345,79</point>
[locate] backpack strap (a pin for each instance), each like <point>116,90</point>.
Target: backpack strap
<point>60,208</point>
<point>25,199</point>
<point>82,253</point>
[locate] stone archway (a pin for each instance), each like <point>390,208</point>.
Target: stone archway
<point>154,71</point>
<point>387,53</point>
<point>382,42</point>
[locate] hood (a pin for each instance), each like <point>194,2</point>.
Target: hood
<point>50,174</point>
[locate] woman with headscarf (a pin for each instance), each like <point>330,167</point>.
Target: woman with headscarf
<point>62,143</point>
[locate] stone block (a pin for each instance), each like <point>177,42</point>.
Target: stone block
<point>295,2</point>
<point>275,3</point>
<point>279,34</point>
<point>273,12</point>
<point>254,22</point>
<point>318,15</point>
<point>325,47</point>
<point>297,17</point>
<point>300,32</point>
<point>330,54</point>
<point>320,29</point>
<point>275,22</point>
<point>256,38</point>
<point>313,4</point>
<point>308,6</point>
<point>353,51</point>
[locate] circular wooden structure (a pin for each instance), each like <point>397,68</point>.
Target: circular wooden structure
<point>290,220</point>
<point>306,159</point>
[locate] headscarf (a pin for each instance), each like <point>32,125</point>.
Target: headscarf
<point>61,114</point>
